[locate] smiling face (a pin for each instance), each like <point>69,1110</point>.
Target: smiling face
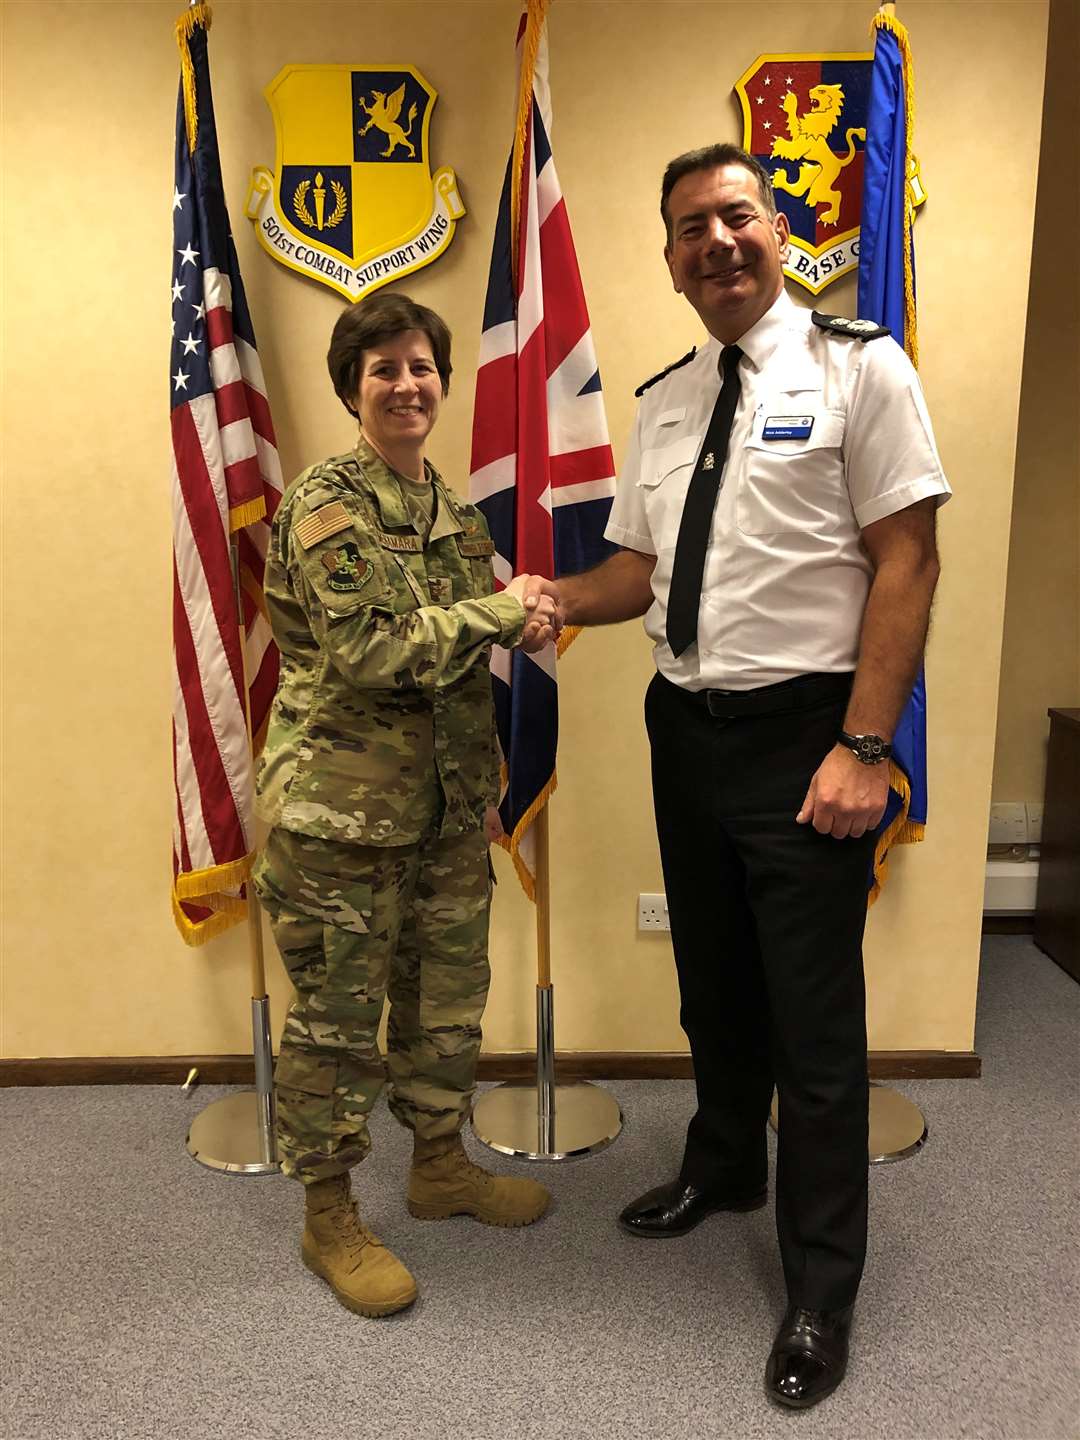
<point>400,393</point>
<point>726,251</point>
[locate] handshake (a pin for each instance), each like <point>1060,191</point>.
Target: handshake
<point>544,616</point>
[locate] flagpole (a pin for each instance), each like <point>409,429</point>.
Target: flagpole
<point>237,1134</point>
<point>556,1122</point>
<point>897,1127</point>
<point>545,996</point>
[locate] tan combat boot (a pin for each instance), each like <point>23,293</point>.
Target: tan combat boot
<point>357,1266</point>
<point>444,1182</point>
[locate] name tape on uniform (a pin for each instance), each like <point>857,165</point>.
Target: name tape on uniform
<point>787,427</point>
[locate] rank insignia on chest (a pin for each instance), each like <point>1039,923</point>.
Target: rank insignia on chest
<point>709,461</point>
<point>442,589</point>
<point>346,568</point>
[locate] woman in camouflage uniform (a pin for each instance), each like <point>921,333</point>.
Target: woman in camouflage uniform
<point>379,763</point>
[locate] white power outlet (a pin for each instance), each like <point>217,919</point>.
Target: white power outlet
<point>652,913</point>
<point>1008,825</point>
<point>1034,821</point>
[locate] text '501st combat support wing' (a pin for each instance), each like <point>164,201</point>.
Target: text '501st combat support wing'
<point>352,200</point>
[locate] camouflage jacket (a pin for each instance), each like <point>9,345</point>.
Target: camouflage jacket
<point>383,724</point>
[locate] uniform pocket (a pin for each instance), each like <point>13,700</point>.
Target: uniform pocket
<point>663,479</point>
<point>304,1086</point>
<point>793,484</point>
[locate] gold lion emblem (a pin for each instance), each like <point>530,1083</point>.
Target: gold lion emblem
<point>808,141</point>
<point>383,113</point>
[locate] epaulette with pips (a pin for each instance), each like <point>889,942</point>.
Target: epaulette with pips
<point>853,329</point>
<point>653,379</point>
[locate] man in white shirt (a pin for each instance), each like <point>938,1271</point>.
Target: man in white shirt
<point>776,513</point>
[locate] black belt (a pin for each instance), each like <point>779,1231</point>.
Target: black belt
<point>800,693</point>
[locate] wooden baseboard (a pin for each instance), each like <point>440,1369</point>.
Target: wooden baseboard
<point>571,1065</point>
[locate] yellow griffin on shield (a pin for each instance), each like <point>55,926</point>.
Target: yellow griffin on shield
<point>384,114</point>
<point>808,141</point>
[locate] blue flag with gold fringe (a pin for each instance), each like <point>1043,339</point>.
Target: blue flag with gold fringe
<point>887,296</point>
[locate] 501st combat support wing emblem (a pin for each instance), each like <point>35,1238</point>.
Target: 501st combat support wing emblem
<point>353,202</point>
<point>804,118</point>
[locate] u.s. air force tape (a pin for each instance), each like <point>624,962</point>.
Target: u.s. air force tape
<point>322,523</point>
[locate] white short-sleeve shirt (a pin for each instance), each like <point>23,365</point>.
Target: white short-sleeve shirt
<point>786,574</point>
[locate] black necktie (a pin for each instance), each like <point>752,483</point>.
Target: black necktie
<point>684,595</point>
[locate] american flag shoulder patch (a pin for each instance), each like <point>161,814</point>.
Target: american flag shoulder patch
<point>322,523</point>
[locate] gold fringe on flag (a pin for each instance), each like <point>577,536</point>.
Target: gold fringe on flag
<point>511,843</point>
<point>530,44</point>
<point>185,27</point>
<point>246,514</point>
<point>228,910</point>
<point>884,21</point>
<point>900,830</point>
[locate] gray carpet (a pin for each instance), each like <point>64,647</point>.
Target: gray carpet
<point>145,1296</point>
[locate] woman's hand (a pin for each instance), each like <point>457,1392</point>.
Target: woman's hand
<point>542,625</point>
<point>493,830</point>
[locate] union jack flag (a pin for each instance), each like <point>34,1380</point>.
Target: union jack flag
<point>542,470</point>
<point>226,482</point>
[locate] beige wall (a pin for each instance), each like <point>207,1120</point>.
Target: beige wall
<point>1040,655</point>
<point>91,962</point>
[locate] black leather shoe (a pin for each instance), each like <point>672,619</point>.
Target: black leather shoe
<point>675,1209</point>
<point>809,1356</point>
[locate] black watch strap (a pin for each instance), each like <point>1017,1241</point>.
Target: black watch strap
<point>870,749</point>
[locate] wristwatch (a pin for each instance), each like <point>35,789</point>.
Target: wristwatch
<point>870,749</point>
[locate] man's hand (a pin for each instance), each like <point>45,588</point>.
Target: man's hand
<point>541,625</point>
<point>845,797</point>
<point>539,593</point>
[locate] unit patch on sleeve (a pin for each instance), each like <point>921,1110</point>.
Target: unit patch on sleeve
<point>346,569</point>
<point>322,523</point>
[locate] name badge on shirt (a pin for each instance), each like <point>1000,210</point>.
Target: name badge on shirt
<point>787,427</point>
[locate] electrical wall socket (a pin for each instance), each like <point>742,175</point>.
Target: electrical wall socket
<point>1008,825</point>
<point>1034,821</point>
<point>652,913</point>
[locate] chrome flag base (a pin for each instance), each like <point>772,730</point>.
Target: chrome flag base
<point>548,1122</point>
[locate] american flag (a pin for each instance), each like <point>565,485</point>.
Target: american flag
<point>542,469</point>
<point>226,483</point>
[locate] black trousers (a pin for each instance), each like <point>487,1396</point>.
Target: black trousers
<point>767,920</point>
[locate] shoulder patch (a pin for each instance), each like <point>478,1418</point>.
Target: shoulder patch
<point>654,379</point>
<point>853,329</point>
<point>322,523</point>
<point>346,569</point>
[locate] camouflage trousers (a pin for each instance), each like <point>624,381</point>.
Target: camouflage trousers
<point>355,924</point>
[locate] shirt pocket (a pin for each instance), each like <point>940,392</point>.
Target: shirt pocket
<point>792,485</point>
<point>663,480</point>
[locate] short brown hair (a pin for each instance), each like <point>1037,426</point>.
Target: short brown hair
<point>708,158</point>
<point>367,323</point>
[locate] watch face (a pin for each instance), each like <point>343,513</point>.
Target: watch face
<point>870,747</point>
